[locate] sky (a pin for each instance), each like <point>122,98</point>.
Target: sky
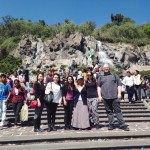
<point>78,11</point>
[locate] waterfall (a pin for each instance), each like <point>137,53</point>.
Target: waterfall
<point>103,58</point>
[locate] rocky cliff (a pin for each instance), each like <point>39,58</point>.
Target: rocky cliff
<point>62,49</point>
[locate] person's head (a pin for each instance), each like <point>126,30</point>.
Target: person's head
<point>128,73</point>
<point>50,73</point>
<point>15,74</point>
<point>7,74</point>
<point>56,78</point>
<point>136,72</point>
<point>121,77</point>
<point>106,68</point>
<point>3,78</point>
<point>89,75</point>
<point>84,70</point>
<point>40,77</point>
<point>70,80</point>
<point>20,72</point>
<point>16,83</point>
<point>80,80</point>
<point>145,77</point>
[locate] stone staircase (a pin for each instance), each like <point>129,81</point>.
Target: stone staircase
<point>136,115</point>
<point>131,112</point>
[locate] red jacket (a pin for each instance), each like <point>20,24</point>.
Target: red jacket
<point>20,97</point>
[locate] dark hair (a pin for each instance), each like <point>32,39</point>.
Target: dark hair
<point>128,72</point>
<point>15,71</point>
<point>84,70</point>
<point>38,75</point>
<point>3,75</point>
<point>91,75</point>
<point>68,86</point>
<point>20,72</point>
<point>137,71</point>
<point>121,76</point>
<point>16,80</point>
<point>58,78</point>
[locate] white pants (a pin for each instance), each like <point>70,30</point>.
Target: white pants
<point>3,108</point>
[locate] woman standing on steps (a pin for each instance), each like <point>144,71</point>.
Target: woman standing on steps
<point>80,117</point>
<point>68,100</point>
<point>18,98</point>
<point>92,100</point>
<point>55,87</point>
<point>39,91</point>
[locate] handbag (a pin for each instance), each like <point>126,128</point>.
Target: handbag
<point>49,97</point>
<point>33,104</point>
<point>24,113</point>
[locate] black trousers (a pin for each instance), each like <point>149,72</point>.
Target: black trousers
<point>137,89</point>
<point>51,113</point>
<point>130,91</point>
<point>113,106</point>
<point>68,113</point>
<point>37,117</point>
<point>17,107</point>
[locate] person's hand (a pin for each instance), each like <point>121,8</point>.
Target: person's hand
<point>119,96</point>
<point>5,101</point>
<point>25,101</point>
<point>59,104</point>
<point>65,103</point>
<point>100,98</point>
<point>39,104</point>
<point>51,90</point>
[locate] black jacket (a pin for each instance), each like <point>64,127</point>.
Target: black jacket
<point>39,91</point>
<point>83,94</point>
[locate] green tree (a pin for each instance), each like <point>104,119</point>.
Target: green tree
<point>146,29</point>
<point>87,28</point>
<point>117,19</point>
<point>68,27</point>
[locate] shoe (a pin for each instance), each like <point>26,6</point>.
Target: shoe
<point>97,126</point>
<point>1,124</point>
<point>36,130</point>
<point>71,128</point>
<point>40,130</point>
<point>49,129</point>
<point>111,127</point>
<point>67,128</point>
<point>53,128</point>
<point>125,128</point>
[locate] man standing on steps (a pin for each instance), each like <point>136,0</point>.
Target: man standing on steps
<point>128,81</point>
<point>109,89</point>
<point>137,85</point>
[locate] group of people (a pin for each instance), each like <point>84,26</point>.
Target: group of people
<point>136,86</point>
<point>80,95</point>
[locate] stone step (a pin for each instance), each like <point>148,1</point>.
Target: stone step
<point>90,145</point>
<point>100,115</point>
<point>82,140</point>
<point>99,111</point>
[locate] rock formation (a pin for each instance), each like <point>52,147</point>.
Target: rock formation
<point>62,50</point>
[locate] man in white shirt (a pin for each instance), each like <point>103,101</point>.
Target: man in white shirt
<point>128,81</point>
<point>137,85</point>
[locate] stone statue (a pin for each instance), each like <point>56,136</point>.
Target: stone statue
<point>90,57</point>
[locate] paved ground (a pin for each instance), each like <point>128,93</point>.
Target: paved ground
<point>20,131</point>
